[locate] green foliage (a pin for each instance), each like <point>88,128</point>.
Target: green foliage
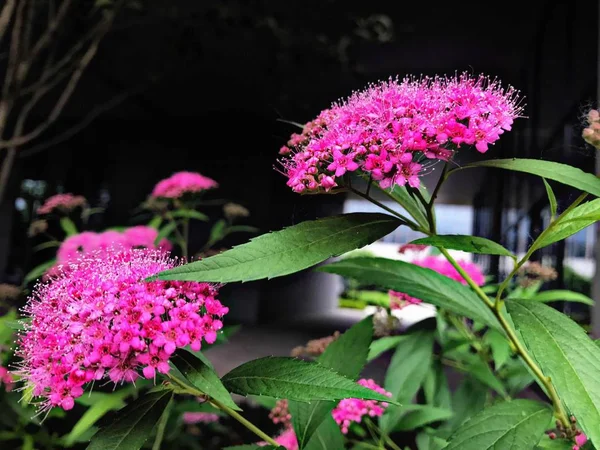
<point>133,424</point>
<point>328,436</point>
<point>422,415</point>
<point>514,425</point>
<point>565,354</point>
<point>382,345</point>
<point>38,271</point>
<point>165,232</point>
<point>287,251</point>
<point>189,214</point>
<point>563,173</point>
<point>68,226</point>
<point>561,295</point>
<point>410,203</point>
<point>202,376</point>
<point>418,282</point>
<point>551,198</point>
<point>575,220</point>
<point>294,379</point>
<point>500,348</point>
<point>471,244</point>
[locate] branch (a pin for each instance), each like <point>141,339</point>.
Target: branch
<point>86,59</point>
<point>5,15</point>
<point>86,121</point>
<point>14,51</point>
<point>7,164</point>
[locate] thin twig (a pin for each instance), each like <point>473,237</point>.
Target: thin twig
<point>5,16</point>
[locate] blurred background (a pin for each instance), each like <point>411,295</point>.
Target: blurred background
<point>211,87</point>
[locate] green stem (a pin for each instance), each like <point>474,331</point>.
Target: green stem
<point>244,422</point>
<point>186,236</point>
<point>181,240</point>
<point>534,247</point>
<point>408,222</point>
<point>217,404</point>
<point>162,426</point>
<point>392,444</point>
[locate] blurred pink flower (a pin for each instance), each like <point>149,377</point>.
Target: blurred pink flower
<point>62,203</point>
<point>182,183</point>
<point>191,418</point>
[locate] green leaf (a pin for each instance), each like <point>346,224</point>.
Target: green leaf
<point>133,424</point>
<point>418,282</point>
<point>554,444</point>
<point>104,404</point>
<point>515,425</point>
<point>473,364</point>
<point>382,345</point>
<point>551,198</point>
<point>294,379</point>
<point>347,356</point>
<point>567,355</point>
<point>500,347</point>
<point>287,251</point>
<point>68,226</point>
<point>471,244</point>
<point>190,214</point>
<point>202,376</point>
<point>38,271</point>
<point>572,222</point>
<point>426,441</point>
<point>468,399</point>
<point>562,295</point>
<point>406,373</point>
<point>563,173</point>
<point>410,203</point>
<point>242,229</point>
<point>517,376</point>
<point>327,437</point>
<point>217,232</point>
<point>421,416</point>
<point>7,321</point>
<point>435,386</point>
<point>45,245</point>
<point>165,232</point>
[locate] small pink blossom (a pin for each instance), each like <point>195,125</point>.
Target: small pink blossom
<point>182,183</point>
<point>101,319</point>
<point>6,379</point>
<point>286,439</point>
<point>354,409</point>
<point>411,248</point>
<point>580,440</point>
<point>191,418</point>
<point>61,203</point>
<point>399,300</point>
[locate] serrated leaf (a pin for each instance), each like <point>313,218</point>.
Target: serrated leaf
<point>98,409</point>
<point>468,399</point>
<point>347,356</point>
<point>435,386</point>
<point>514,425</point>
<point>202,376</point>
<point>421,416</point>
<point>567,355</point>
<point>471,244</point>
<point>327,437</point>
<point>68,226</point>
<point>406,373</point>
<point>575,220</point>
<point>418,282</point>
<point>551,198</point>
<point>562,295</point>
<point>500,347</point>
<point>562,173</point>
<point>38,271</point>
<point>473,365</point>
<point>426,441</point>
<point>190,214</point>
<point>133,425</point>
<point>294,379</point>
<point>289,250</point>
<point>382,345</point>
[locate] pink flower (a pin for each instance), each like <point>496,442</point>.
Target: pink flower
<point>74,246</point>
<point>142,236</point>
<point>6,379</point>
<point>182,183</point>
<point>580,440</point>
<point>61,203</point>
<point>411,248</point>
<point>100,319</point>
<point>390,128</point>
<point>286,439</point>
<point>399,300</point>
<point>353,409</point>
<point>191,418</point>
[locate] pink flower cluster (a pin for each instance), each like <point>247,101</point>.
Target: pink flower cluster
<point>191,418</point>
<point>181,183</point>
<point>140,236</point>
<point>6,379</point>
<point>62,203</point>
<point>347,411</point>
<point>388,130</point>
<point>100,319</point>
<point>580,440</point>
<point>353,409</point>
<point>399,300</point>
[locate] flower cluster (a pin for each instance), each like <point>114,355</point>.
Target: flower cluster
<point>63,203</point>
<point>391,129</point>
<point>100,319</point>
<point>353,409</point>
<point>412,248</point>
<point>140,236</point>
<point>191,418</point>
<point>399,300</point>
<point>6,379</point>
<point>533,272</point>
<point>37,227</point>
<point>346,412</point>
<point>591,134</point>
<point>181,183</point>
<point>314,347</point>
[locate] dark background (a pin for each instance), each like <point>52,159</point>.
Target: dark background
<point>207,81</point>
